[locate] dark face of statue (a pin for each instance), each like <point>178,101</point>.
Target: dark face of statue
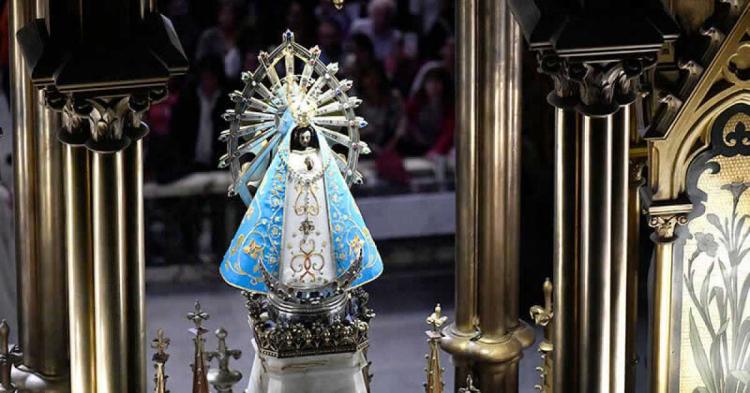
<point>304,138</point>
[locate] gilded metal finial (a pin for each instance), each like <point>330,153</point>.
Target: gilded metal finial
<point>434,371</point>
<point>200,378</point>
<point>223,378</point>
<point>543,316</point>
<point>198,316</point>
<point>339,4</point>
<point>5,364</point>
<point>160,345</point>
<point>469,388</point>
<point>9,357</point>
<point>436,319</point>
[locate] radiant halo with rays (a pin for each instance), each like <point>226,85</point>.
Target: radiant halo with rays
<point>314,97</point>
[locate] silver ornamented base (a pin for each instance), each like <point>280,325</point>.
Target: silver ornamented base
<point>329,373</point>
<point>319,347</point>
<point>286,330</point>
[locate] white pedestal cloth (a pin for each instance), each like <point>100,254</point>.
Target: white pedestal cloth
<point>335,373</point>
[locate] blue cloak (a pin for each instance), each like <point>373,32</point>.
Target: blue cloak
<point>257,242</point>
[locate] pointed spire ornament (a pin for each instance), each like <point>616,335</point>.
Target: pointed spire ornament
<point>9,357</point>
<point>200,378</point>
<point>5,361</point>
<point>160,345</point>
<point>223,378</point>
<point>434,371</point>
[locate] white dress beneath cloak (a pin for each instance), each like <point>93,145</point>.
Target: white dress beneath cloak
<point>306,257</point>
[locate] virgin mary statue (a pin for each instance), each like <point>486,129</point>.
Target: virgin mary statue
<point>302,232</point>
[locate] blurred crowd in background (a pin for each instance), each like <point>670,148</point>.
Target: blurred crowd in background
<point>399,53</point>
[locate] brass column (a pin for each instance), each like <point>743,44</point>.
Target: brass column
<point>565,251</point>
<point>79,247</point>
<point>110,272</point>
<point>466,180</point>
<point>637,163</point>
<point>596,71</point>
<point>591,225</point>
<point>136,265</point>
<point>103,173</point>
<point>40,229</point>
<point>25,139</point>
<point>664,219</point>
<point>487,338</point>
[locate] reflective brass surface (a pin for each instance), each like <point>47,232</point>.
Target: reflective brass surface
<point>79,238</point>
<point>135,261</point>
<point>466,168</point>
<point>110,300</point>
<point>565,252</point>
<point>624,124</point>
<point>52,285</point>
<point>596,242</point>
<point>488,188</point>
<point>24,106</point>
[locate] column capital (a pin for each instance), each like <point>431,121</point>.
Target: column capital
<point>103,124</point>
<point>591,87</point>
<point>594,54</point>
<point>665,226</point>
<point>66,59</point>
<point>665,218</point>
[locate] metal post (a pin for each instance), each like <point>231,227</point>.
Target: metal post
<point>79,247</point>
<point>136,265</point>
<point>487,338</point>
<point>109,273</point>
<point>24,106</point>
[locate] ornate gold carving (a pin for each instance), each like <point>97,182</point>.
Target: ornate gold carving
<point>675,139</point>
<point>434,370</point>
<point>339,4</point>
<point>103,123</point>
<point>737,69</point>
<point>223,378</point>
<point>594,88</point>
<point>715,38</point>
<point>665,225</point>
<point>543,316</point>
<point>160,344</point>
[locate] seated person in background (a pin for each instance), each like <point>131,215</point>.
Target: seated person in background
<point>196,119</point>
<point>431,117</point>
<point>221,40</point>
<point>383,108</point>
<point>330,39</point>
<point>379,27</point>
<point>446,62</point>
<point>360,55</point>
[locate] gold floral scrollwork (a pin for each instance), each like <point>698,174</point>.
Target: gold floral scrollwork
<point>665,225</point>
